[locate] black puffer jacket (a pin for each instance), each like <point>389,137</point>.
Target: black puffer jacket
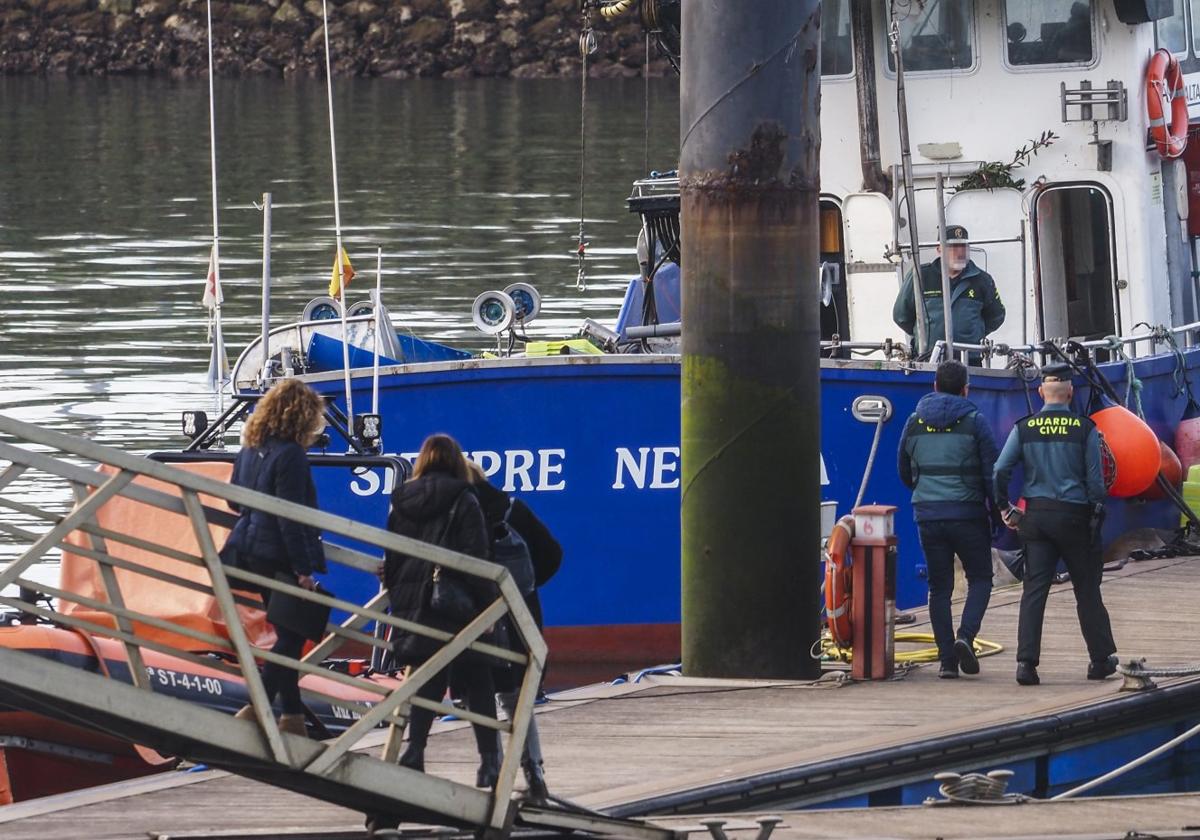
<point>266,543</point>
<point>421,509</point>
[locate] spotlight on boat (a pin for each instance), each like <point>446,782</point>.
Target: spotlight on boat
<point>321,309</point>
<point>194,424</point>
<point>493,312</point>
<point>368,428</point>
<point>526,299</point>
<point>363,307</point>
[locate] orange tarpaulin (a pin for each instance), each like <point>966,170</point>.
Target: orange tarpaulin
<point>185,607</point>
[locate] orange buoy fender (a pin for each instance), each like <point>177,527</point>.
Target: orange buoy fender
<point>837,581</point>
<point>1135,451</point>
<point>1166,104</point>
<point>1171,469</point>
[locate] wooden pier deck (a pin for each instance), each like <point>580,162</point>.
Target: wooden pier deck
<point>633,747</point>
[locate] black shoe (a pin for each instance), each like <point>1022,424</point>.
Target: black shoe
<point>1027,674</point>
<point>535,782</point>
<point>1103,669</point>
<point>489,770</point>
<point>948,671</point>
<point>967,660</point>
<point>413,758</point>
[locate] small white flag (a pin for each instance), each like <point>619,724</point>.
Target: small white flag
<point>213,295</point>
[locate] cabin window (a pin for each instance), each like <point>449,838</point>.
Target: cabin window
<point>1076,274</point>
<point>1195,15</point>
<point>837,48</point>
<point>1048,32</point>
<point>1172,31</point>
<point>935,35</point>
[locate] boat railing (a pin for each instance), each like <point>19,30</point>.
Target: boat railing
<point>185,557</point>
<point>1146,341</point>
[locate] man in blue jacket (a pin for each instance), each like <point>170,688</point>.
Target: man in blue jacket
<point>974,301</point>
<point>946,457</point>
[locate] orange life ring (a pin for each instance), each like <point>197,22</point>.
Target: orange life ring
<point>837,581</point>
<point>1165,95</point>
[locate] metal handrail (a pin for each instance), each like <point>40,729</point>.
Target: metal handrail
<point>125,475</point>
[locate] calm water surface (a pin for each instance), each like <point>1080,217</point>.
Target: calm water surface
<point>105,224</point>
<point>105,221</point>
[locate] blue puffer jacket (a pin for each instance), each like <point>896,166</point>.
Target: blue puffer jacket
<point>265,543</point>
<point>946,458</point>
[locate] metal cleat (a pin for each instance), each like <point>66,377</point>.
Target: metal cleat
<point>1135,676</point>
<point>766,825</point>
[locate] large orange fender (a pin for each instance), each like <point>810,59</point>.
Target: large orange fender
<point>837,581</point>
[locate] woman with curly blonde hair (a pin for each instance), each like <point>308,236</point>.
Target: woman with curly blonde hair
<point>274,460</point>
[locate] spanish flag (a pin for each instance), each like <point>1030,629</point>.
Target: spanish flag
<point>343,273</point>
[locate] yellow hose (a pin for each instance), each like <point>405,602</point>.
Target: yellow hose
<point>830,650</point>
<point>616,9</point>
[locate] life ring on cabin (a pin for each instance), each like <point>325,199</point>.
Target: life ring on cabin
<point>837,582</point>
<point>1166,104</point>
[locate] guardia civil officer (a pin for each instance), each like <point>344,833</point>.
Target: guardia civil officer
<point>1064,508</point>
<point>974,302</point>
<point>946,458</point>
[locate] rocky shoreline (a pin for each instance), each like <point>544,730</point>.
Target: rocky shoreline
<point>396,39</point>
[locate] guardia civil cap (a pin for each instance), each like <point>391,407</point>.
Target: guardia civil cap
<point>1057,372</point>
<point>957,235</point>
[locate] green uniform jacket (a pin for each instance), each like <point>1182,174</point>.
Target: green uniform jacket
<point>975,304</point>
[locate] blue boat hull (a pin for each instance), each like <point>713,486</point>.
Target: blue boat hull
<point>592,444</point>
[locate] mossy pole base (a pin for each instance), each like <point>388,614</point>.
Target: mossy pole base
<point>750,147</point>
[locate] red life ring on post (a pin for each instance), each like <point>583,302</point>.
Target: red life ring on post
<point>837,582</point>
<point>1166,104</point>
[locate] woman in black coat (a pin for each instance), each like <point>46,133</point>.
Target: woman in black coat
<point>545,553</point>
<point>437,506</point>
<point>274,460</point>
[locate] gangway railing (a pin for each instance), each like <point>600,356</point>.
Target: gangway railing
<point>333,770</point>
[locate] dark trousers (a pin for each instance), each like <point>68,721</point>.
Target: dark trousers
<point>971,540</point>
<point>1049,535</point>
<point>467,680</point>
<point>281,680</point>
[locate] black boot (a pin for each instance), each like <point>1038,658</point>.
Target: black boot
<point>489,770</point>
<point>535,782</point>
<point>414,757</point>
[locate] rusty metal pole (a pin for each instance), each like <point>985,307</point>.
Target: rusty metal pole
<point>749,173</point>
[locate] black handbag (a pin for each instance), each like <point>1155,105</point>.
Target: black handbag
<point>448,596</point>
<point>301,616</point>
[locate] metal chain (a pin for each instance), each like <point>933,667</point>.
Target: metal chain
<point>587,46</point>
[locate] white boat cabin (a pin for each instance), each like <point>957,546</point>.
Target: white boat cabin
<point>1096,240</point>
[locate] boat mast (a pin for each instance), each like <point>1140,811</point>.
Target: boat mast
<point>337,221</point>
<point>266,291</point>
<point>218,350</point>
<point>751,422</point>
<point>921,328</point>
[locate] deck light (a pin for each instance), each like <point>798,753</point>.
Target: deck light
<point>368,428</point>
<point>321,309</point>
<point>493,312</point>
<point>194,424</point>
<point>526,299</point>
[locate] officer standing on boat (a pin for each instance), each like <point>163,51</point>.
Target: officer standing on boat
<point>946,458</point>
<point>975,303</point>
<point>1064,509</point>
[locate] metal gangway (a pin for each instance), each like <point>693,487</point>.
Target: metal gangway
<point>91,476</point>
